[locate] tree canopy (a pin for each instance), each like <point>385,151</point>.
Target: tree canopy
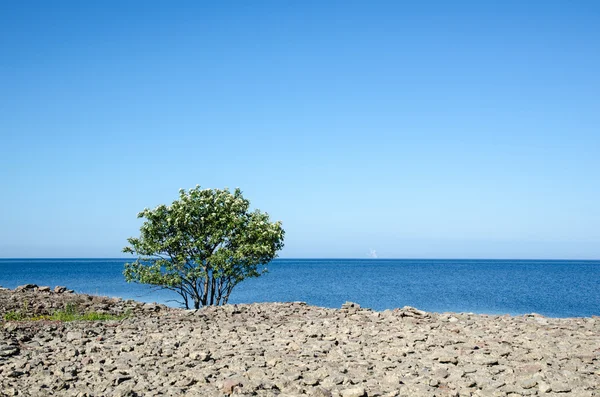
<point>203,245</point>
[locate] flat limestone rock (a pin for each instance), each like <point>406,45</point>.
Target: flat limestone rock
<point>290,349</point>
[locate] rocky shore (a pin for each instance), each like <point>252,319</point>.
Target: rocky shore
<point>289,349</point>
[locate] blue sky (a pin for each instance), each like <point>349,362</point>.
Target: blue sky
<point>430,129</point>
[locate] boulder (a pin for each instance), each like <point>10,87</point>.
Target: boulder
<point>25,287</point>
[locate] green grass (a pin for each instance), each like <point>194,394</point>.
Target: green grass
<point>69,313</point>
<point>14,315</point>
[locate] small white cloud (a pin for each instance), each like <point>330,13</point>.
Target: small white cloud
<point>372,253</point>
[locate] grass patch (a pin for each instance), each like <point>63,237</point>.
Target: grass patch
<point>69,313</point>
<point>14,315</point>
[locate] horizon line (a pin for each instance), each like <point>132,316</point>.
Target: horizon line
<point>330,258</point>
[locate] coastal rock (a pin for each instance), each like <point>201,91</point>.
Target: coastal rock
<point>528,383</point>
<point>408,311</point>
<point>200,355</point>
<point>25,287</point>
<point>354,392</point>
<point>558,387</point>
<point>448,360</point>
<point>320,392</point>
<point>288,349</point>
<point>229,385</point>
<point>7,351</point>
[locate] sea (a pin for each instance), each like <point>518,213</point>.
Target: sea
<point>554,288</point>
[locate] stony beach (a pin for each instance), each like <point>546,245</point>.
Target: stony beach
<point>288,349</point>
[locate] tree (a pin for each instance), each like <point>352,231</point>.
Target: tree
<point>202,245</point>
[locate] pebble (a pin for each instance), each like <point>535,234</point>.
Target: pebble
<point>290,349</point>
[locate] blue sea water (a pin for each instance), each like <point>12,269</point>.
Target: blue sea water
<point>551,288</point>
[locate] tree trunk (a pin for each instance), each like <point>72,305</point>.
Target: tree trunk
<point>206,285</point>
<point>182,293</point>
<point>227,293</point>
<point>219,290</point>
<point>212,289</point>
<point>196,295</point>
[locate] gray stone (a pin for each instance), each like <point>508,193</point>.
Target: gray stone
<point>349,305</point>
<point>354,392</point>
<point>25,287</point>
<point>229,385</point>
<point>290,349</point>
<point>544,387</point>
<point>320,392</point>
<point>200,355</point>
<point>559,387</point>
<point>7,351</point>
<point>448,360</point>
<point>528,383</point>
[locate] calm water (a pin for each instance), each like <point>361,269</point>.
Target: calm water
<point>552,288</point>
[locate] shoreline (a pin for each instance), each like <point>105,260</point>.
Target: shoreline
<point>293,349</point>
<point>35,288</point>
<point>556,289</point>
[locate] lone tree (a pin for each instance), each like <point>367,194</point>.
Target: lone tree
<point>202,245</point>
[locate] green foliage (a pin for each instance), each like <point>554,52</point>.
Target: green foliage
<point>69,313</point>
<point>203,245</point>
<point>14,315</point>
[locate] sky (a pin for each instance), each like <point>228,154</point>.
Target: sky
<point>429,129</point>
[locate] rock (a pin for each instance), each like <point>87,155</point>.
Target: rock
<point>310,379</point>
<point>487,361</point>
<point>391,381</point>
<point>59,289</point>
<point>10,327</point>
<point>255,374</point>
<point>7,351</point>
<point>530,369</point>
<point>448,360</point>
<point>25,287</point>
<point>293,346</point>
<point>408,311</point>
<point>349,305</point>
<point>87,361</point>
<point>289,349</point>
<point>72,336</point>
<point>441,373</point>
<point>200,355</point>
<point>229,385</point>
<point>320,392</point>
<point>44,289</point>
<point>558,387</point>
<point>354,392</point>
<point>544,387</point>
<point>120,378</point>
<point>153,307</point>
<point>528,383</point>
